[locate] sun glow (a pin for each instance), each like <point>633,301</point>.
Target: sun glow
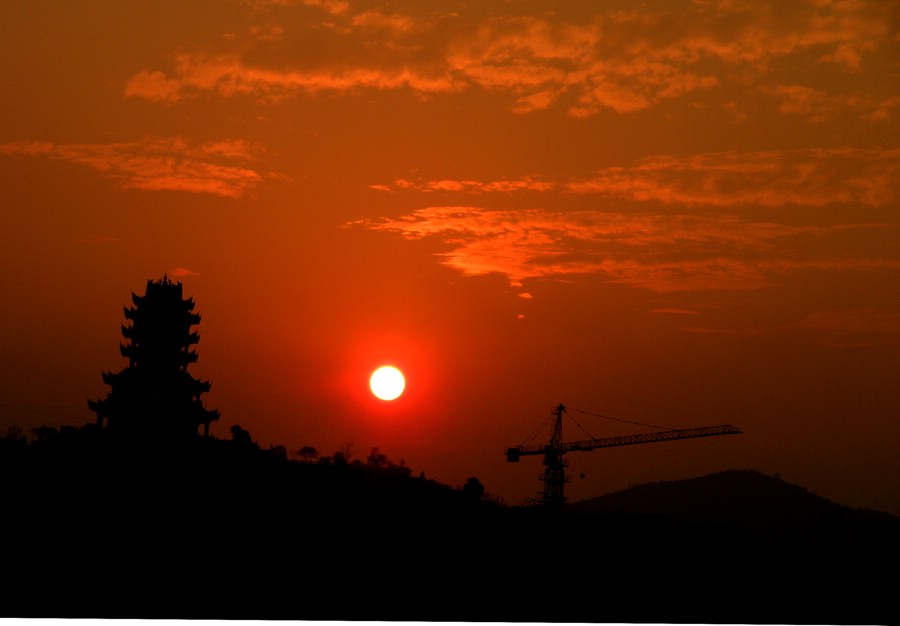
<point>387,383</point>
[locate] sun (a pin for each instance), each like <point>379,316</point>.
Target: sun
<point>387,383</point>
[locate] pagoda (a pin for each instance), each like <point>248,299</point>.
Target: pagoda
<point>155,397</point>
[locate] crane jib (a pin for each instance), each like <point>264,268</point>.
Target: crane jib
<point>513,454</point>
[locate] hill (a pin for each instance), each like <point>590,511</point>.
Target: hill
<point>751,503</point>
<point>224,531</point>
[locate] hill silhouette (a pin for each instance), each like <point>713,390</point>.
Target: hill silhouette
<point>220,529</point>
<point>749,502</point>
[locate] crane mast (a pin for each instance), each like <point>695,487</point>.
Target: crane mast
<point>554,475</point>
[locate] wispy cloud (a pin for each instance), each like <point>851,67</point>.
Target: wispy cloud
<point>229,75</point>
<point>618,60</point>
<point>181,272</point>
<point>814,177</point>
<point>864,326</point>
<point>158,164</point>
<point>471,186</point>
<point>853,321</point>
<point>659,252</point>
<point>335,7</point>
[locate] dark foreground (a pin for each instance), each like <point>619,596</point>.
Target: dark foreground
<point>94,533</point>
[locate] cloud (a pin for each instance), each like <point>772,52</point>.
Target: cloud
<point>335,7</point>
<point>814,177</point>
<point>854,321</point>
<point>864,326</point>
<point>608,59</point>
<point>181,272</point>
<point>817,106</point>
<point>158,164</point>
<point>884,109</point>
<point>229,75</point>
<point>628,61</point>
<point>154,86</point>
<point>472,186</point>
<point>659,252</point>
<point>746,331</point>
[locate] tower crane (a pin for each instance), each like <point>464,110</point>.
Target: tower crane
<point>554,476</point>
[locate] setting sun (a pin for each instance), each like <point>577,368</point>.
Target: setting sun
<point>387,383</point>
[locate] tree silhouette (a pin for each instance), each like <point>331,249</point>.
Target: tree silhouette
<point>344,455</point>
<point>155,397</point>
<point>473,489</point>
<point>377,459</point>
<point>43,434</point>
<point>241,437</point>
<point>14,439</point>
<point>308,454</point>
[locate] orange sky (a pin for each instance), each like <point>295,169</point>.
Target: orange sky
<point>675,213</point>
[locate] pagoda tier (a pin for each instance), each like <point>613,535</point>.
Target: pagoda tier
<point>155,396</point>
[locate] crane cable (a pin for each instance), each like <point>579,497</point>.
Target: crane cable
<point>537,431</point>
<point>616,419</point>
<point>544,423</point>
<point>579,425</point>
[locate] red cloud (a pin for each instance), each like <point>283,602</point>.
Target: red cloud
<point>854,321</point>
<point>156,164</point>
<point>662,253</point>
<point>618,60</point>
<point>815,177</point>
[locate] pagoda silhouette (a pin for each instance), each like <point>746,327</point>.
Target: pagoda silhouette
<point>155,398</point>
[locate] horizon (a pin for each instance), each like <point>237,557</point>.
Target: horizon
<point>678,215</point>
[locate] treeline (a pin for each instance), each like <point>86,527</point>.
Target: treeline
<point>51,456</point>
